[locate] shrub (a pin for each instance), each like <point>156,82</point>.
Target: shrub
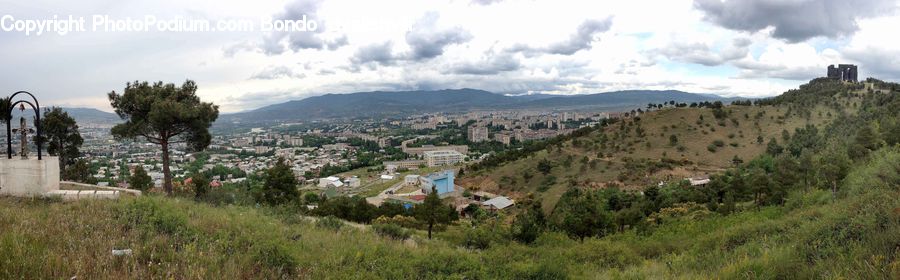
<point>391,231</point>
<point>477,238</point>
<point>330,222</point>
<point>274,256</point>
<point>200,184</point>
<point>152,215</point>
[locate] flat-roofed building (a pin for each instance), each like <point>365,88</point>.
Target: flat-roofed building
<point>443,157</point>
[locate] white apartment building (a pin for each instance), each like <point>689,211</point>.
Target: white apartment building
<point>443,157</point>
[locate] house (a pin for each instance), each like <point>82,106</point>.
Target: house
<point>353,182</point>
<point>498,203</point>
<point>330,181</point>
<point>411,180</point>
<point>482,196</point>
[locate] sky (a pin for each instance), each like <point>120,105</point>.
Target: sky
<point>730,48</point>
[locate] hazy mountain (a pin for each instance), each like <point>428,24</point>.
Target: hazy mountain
<point>399,103</point>
<point>91,115</point>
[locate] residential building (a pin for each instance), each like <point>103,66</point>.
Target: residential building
<point>503,138</point>
<point>478,133</point>
<point>444,157</point>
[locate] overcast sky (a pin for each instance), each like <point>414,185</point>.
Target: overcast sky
<point>745,48</point>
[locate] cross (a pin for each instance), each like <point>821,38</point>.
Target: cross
<point>23,130</point>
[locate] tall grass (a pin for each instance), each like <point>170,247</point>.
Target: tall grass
<point>815,236</point>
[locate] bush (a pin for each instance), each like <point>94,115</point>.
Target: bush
<point>711,148</point>
<point>152,215</point>
<point>200,184</point>
<point>391,231</point>
<point>274,256</point>
<point>330,222</point>
<point>477,238</point>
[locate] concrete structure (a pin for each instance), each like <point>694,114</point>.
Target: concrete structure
<point>411,180</point>
<point>442,181</point>
<point>29,177</point>
<point>843,72</point>
<point>408,164</point>
<point>353,182</point>
<point>478,133</point>
<point>503,138</point>
<point>462,149</point>
<point>330,181</point>
<point>440,158</point>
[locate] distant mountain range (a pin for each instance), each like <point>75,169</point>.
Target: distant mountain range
<point>91,115</point>
<point>378,104</point>
<point>384,104</point>
<point>82,116</point>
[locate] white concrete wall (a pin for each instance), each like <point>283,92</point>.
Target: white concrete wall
<point>28,177</point>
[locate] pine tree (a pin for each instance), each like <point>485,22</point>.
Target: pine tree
<point>140,180</point>
<point>432,211</point>
<point>164,114</point>
<point>279,185</point>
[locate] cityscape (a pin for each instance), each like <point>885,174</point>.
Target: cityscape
<point>450,139</point>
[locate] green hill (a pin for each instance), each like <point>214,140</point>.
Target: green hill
<point>639,151</point>
<point>823,204</point>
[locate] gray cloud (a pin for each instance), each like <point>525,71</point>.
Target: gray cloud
<point>490,65</point>
<point>794,21</point>
<point>277,72</point>
<point>277,43</point>
<point>428,41</point>
<point>880,63</point>
<point>581,40</point>
<point>425,39</point>
<point>700,53</point>
<point>381,54</point>
<point>751,69</point>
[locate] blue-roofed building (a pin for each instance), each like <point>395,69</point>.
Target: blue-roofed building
<point>441,181</point>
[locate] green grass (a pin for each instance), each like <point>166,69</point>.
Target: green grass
<point>854,236</point>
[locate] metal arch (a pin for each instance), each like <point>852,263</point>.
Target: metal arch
<point>37,121</point>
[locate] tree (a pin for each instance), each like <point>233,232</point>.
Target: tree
<point>529,224</point>
<point>834,164</point>
<point>200,183</point>
<point>80,171</point>
<point>164,114</point>
<point>432,211</point>
<point>586,217</point>
<point>673,140</point>
<point>773,148</point>
<point>140,180</point>
<point>279,185</point>
<point>544,166</point>
<point>60,132</point>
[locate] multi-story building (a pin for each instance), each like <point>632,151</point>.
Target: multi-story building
<point>478,133</point>
<point>443,157</point>
<point>503,138</point>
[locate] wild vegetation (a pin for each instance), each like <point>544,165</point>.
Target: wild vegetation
<point>801,196</point>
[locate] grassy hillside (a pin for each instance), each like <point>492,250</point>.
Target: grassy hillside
<point>856,236</point>
<point>637,152</point>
